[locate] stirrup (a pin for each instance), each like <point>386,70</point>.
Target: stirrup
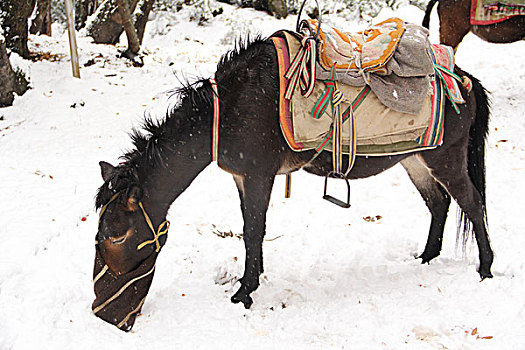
<point>333,199</point>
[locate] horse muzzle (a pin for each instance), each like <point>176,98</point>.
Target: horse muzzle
<point>119,298</point>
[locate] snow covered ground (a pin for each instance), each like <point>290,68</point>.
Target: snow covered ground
<point>334,278</point>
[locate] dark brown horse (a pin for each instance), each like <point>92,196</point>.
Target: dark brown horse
<point>170,154</point>
<point>454,19</point>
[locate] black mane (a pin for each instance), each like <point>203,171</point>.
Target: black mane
<point>155,137</point>
<point>239,58</point>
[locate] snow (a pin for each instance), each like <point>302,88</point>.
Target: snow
<point>334,278</point>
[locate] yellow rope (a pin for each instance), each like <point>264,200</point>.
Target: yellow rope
<point>162,230</point>
<point>103,210</point>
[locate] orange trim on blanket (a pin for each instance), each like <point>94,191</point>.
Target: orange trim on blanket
<point>284,104</point>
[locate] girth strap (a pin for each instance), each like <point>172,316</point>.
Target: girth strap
<point>215,123</point>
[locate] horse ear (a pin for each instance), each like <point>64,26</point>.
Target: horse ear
<point>107,170</point>
<point>134,197</point>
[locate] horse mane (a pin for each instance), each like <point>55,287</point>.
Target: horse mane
<point>150,140</point>
<point>240,58</point>
<point>154,137</point>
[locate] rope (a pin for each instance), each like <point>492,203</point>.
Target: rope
<point>346,115</point>
<point>162,230</point>
<point>327,96</point>
<point>103,210</point>
<point>302,69</point>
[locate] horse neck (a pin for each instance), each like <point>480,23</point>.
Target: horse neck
<point>185,153</point>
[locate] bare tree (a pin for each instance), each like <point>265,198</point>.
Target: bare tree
<point>106,27</point>
<point>84,9</point>
<point>12,82</point>
<point>131,33</point>
<point>41,24</point>
<point>141,17</point>
<point>13,18</point>
<point>108,24</point>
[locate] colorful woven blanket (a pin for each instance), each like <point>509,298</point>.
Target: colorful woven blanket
<point>402,82</point>
<point>368,50</point>
<point>483,12</point>
<point>379,130</point>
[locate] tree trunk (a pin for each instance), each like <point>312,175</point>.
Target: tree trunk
<point>15,14</point>
<point>278,8</point>
<point>141,17</point>
<point>11,82</point>
<point>41,23</point>
<point>127,22</point>
<point>84,9</point>
<point>106,27</point>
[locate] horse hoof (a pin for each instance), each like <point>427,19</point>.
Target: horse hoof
<point>246,300</point>
<point>425,258</point>
<point>485,274</point>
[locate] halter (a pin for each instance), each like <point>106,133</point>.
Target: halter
<point>161,230</point>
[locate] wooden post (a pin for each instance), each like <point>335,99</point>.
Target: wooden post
<point>72,39</point>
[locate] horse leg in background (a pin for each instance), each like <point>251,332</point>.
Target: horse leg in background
<point>254,191</point>
<point>436,199</point>
<point>454,22</point>
<point>443,166</point>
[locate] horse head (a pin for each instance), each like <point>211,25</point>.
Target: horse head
<point>126,236</point>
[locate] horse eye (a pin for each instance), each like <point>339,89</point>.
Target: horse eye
<point>118,239</point>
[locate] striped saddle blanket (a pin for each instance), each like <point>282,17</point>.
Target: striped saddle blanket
<point>484,12</point>
<point>377,129</point>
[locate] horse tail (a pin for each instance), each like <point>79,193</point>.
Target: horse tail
<point>426,19</point>
<point>476,152</point>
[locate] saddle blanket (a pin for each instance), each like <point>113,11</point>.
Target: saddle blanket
<point>379,130</point>
<point>392,57</point>
<point>368,50</point>
<point>484,12</point>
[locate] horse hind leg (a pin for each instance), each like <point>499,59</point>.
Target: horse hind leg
<point>437,201</point>
<point>254,191</point>
<point>444,168</point>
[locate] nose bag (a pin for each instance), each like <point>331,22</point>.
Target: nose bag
<point>119,299</point>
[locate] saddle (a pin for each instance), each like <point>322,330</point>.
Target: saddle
<point>377,92</point>
<point>484,12</point>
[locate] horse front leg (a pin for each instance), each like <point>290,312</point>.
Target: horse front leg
<point>254,190</point>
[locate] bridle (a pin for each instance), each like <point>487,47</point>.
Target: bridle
<point>161,230</point>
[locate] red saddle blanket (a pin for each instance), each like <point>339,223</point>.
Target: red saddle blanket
<point>484,12</point>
